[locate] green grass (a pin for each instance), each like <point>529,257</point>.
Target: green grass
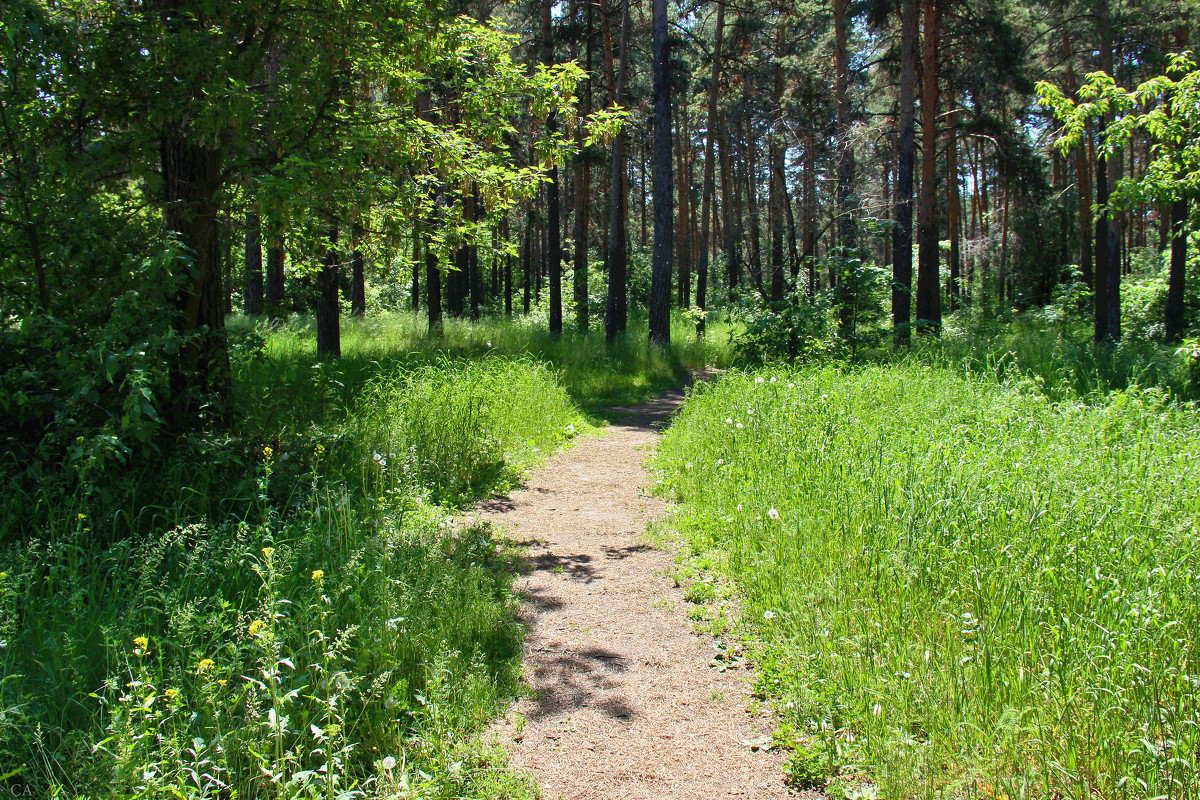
<point>290,613</point>
<point>593,373</point>
<point>959,587</point>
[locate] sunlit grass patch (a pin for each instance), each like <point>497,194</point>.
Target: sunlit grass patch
<point>958,584</point>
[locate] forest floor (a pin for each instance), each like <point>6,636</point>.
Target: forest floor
<point>627,698</point>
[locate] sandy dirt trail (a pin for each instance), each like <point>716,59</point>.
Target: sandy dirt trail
<point>626,700</point>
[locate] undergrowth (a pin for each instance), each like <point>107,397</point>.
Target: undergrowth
<point>959,587</point>
<point>291,614</point>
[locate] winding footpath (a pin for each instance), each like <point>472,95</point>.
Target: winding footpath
<point>626,700</point>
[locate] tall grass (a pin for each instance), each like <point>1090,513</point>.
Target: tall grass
<point>1059,356</point>
<point>322,633</point>
<point>961,588</point>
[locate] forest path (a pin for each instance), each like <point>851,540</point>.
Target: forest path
<point>627,699</point>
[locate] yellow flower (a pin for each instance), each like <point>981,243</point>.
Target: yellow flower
<point>222,682</point>
<point>268,552</point>
<point>267,453</point>
<point>172,694</point>
<point>256,626</point>
<point>141,642</point>
<point>318,574</point>
<point>205,665</point>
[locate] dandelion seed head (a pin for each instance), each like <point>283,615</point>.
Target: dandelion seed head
<point>773,514</point>
<point>389,762</point>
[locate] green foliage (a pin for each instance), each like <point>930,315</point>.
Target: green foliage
<point>957,584</point>
<point>841,321</point>
<point>1166,109</point>
<point>319,629</point>
<point>1055,352</point>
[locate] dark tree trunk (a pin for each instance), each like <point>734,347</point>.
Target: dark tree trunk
<point>583,181</point>
<point>358,278</point>
<point>274,296</point>
<point>474,276</point>
<point>433,288</point>
<point>253,305</point>
<point>708,189</point>
<point>664,245</point>
<point>416,268</point>
<point>953,202</point>
<point>810,208</point>
<point>527,261</point>
<point>929,311</point>
<point>554,242</point>
<point>191,178</point>
<point>775,151</point>
<point>508,300</point>
<point>616,312</point>
<point>847,229</point>
<point>756,276</point>
<point>729,227</point>
<point>329,338</point>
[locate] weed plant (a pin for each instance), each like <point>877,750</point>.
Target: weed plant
<point>959,587</point>
<point>319,631</point>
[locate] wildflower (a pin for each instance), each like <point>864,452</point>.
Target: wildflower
<point>728,421</point>
<point>141,642</point>
<point>758,379</point>
<point>267,453</point>
<point>768,615</point>
<point>172,695</point>
<point>268,552</point>
<point>377,458</point>
<point>205,665</point>
<point>739,426</point>
<point>389,762</point>
<point>791,386</point>
<point>739,506</point>
<point>318,574</point>
<point>773,379</point>
<point>773,514</point>
<point>720,461</point>
<point>256,626</point>
<point>222,682</point>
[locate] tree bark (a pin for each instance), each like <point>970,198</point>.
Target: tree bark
<point>358,278</point>
<point>329,339</point>
<point>929,312</point>
<point>846,206</point>
<point>660,274</point>
<point>274,287</point>
<point>583,181</point>
<point>554,241</point>
<point>191,177</point>
<point>617,307</point>
<point>253,305</point>
<point>901,229</point>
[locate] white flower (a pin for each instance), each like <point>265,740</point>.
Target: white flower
<point>739,426</point>
<point>739,506</point>
<point>758,379</point>
<point>768,614</point>
<point>720,461</point>
<point>791,386</point>
<point>489,344</point>
<point>388,762</point>
<point>728,421</point>
<point>877,710</point>
<point>773,379</point>
<point>773,514</point>
<point>377,458</point>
